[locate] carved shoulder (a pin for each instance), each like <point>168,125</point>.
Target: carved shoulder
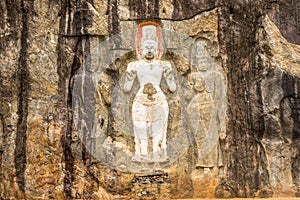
<point>166,65</point>
<point>131,66</point>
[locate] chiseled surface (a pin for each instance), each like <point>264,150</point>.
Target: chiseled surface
<point>253,45</point>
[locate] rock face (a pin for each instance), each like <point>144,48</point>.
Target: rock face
<point>66,127</point>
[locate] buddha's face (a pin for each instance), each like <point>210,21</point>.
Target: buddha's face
<point>149,49</point>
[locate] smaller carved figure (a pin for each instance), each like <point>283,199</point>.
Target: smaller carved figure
<point>203,113</point>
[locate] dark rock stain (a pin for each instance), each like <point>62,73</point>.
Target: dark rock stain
<point>141,9</point>
<point>13,11</point>
<point>290,118</point>
<point>9,10</point>
<point>238,25</point>
<point>2,109</point>
<point>288,85</point>
<point>261,120</point>
<point>2,127</point>
<point>23,94</point>
<point>113,18</point>
<point>114,30</point>
<point>65,114</point>
<point>257,120</point>
<point>184,9</point>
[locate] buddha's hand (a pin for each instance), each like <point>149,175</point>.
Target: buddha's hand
<point>168,73</point>
<point>130,75</point>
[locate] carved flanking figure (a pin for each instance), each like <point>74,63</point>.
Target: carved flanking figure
<point>150,108</point>
<point>207,108</point>
<point>201,114</point>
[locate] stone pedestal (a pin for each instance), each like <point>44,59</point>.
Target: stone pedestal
<point>151,186</point>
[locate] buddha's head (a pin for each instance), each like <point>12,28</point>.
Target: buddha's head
<point>149,43</point>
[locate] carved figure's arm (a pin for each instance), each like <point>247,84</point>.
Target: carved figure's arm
<point>169,77</point>
<point>130,77</point>
<point>188,88</point>
<point>188,91</point>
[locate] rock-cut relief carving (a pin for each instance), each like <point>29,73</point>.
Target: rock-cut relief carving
<point>206,107</point>
<point>150,108</point>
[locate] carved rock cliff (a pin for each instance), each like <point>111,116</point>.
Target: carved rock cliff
<point>254,46</point>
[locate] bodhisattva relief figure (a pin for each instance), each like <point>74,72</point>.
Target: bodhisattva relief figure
<point>150,108</point>
<point>201,114</point>
<point>212,128</point>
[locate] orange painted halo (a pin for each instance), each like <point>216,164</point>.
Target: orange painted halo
<point>139,35</point>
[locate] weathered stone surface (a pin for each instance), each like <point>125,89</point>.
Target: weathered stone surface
<point>285,14</point>
<point>282,53</point>
<point>246,64</point>
<point>279,139</point>
<point>50,51</point>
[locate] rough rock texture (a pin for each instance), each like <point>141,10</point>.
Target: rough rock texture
<point>253,44</point>
<point>285,14</point>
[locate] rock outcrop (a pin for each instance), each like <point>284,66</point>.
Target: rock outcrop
<point>65,122</point>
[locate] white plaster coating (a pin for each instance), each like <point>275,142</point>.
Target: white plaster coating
<point>150,108</point>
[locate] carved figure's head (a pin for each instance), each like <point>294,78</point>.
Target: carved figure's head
<point>198,82</point>
<point>149,40</point>
<point>149,49</point>
<point>199,85</point>
<point>200,58</point>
